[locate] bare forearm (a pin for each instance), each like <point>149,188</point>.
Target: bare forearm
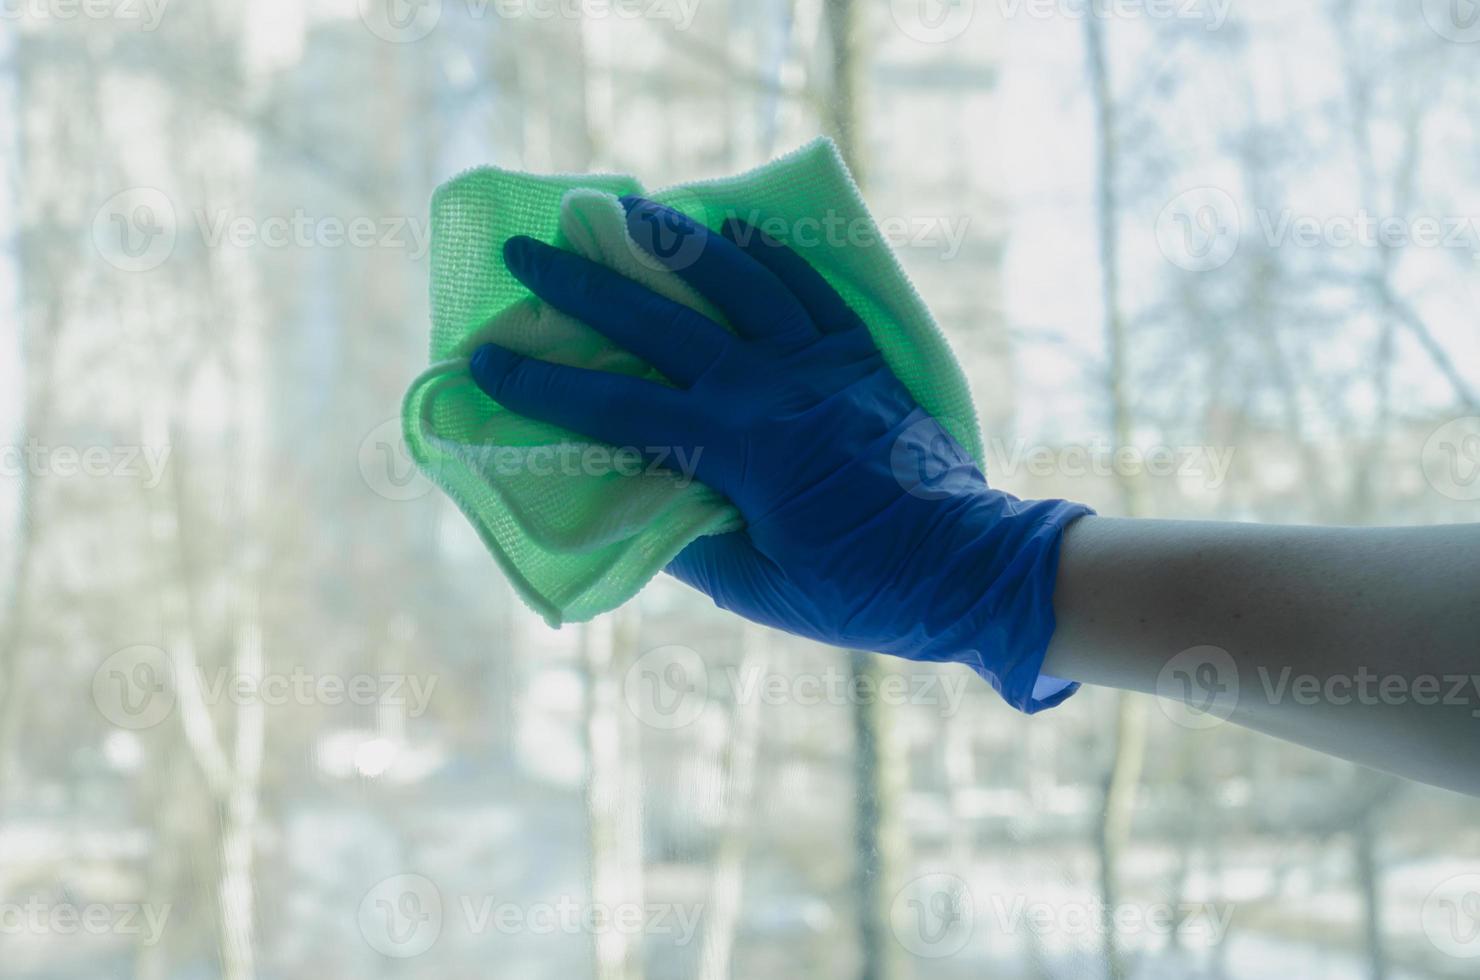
<point>1360,642</point>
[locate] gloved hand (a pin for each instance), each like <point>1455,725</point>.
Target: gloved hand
<point>868,526</point>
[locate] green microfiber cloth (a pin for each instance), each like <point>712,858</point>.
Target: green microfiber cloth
<point>578,537</point>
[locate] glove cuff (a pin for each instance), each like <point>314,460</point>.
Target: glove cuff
<point>1004,635</point>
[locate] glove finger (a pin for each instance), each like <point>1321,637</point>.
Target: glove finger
<point>822,302</point>
<point>680,342</point>
<point>757,304</point>
<point>613,408</point>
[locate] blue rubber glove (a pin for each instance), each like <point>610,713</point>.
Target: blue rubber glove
<point>868,526</point>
